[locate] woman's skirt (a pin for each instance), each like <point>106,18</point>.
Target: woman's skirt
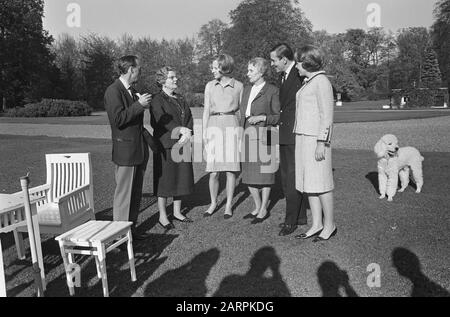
<point>259,163</point>
<point>222,146</point>
<point>312,176</point>
<point>171,178</point>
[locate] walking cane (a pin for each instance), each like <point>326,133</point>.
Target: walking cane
<point>24,181</point>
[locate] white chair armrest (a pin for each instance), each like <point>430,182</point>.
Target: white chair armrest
<point>67,196</point>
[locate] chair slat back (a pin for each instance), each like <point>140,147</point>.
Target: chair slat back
<point>67,172</point>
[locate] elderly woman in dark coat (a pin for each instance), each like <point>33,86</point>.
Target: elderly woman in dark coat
<point>172,124</point>
<point>260,109</point>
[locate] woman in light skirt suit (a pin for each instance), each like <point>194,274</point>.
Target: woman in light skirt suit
<point>313,129</point>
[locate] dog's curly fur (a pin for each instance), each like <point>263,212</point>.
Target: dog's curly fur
<point>394,162</point>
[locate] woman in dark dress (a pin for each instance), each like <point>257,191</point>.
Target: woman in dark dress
<point>172,123</point>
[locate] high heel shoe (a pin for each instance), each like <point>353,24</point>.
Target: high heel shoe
<point>249,216</point>
<point>185,219</point>
<point>167,227</point>
<point>304,236</point>
<point>319,238</point>
<point>257,220</point>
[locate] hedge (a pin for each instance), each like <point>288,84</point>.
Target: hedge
<point>51,108</point>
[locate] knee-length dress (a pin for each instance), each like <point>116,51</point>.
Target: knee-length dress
<point>314,121</point>
<point>173,173</point>
<point>222,147</point>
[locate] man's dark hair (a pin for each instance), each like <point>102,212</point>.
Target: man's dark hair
<point>125,62</point>
<point>283,50</point>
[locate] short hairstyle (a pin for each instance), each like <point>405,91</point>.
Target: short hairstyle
<point>261,64</point>
<point>162,74</point>
<point>226,63</point>
<point>311,57</point>
<point>125,62</point>
<point>283,50</point>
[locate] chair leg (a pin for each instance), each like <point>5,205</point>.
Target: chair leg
<point>18,239</point>
<point>2,274</point>
<point>39,250</point>
<point>131,256</point>
<point>66,268</point>
<point>102,260</point>
<point>97,264</point>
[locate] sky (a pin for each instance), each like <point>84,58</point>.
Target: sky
<point>175,19</point>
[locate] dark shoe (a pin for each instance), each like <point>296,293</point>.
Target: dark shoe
<point>227,216</point>
<point>318,239</point>
<point>185,219</point>
<point>287,230</point>
<point>139,237</point>
<point>302,222</point>
<point>167,227</point>
<point>249,216</point>
<point>259,220</point>
<point>207,214</point>
<point>304,236</point>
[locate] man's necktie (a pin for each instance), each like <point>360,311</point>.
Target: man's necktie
<point>283,77</point>
<point>133,95</point>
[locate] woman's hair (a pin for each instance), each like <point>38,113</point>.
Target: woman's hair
<point>162,74</point>
<point>261,64</point>
<point>311,57</point>
<point>226,64</point>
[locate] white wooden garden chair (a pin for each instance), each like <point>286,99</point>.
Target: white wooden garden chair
<point>68,192</point>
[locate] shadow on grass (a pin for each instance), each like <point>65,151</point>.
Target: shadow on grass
<point>408,265</point>
<point>263,279</point>
<point>188,280</point>
<point>373,178</point>
<point>331,278</point>
<point>147,260</point>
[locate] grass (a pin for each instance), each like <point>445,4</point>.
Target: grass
<point>361,111</point>
<point>215,257</point>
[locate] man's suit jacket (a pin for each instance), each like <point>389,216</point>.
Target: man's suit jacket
<point>288,91</point>
<point>126,119</point>
<point>167,117</point>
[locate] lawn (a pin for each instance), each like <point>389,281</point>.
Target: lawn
<point>217,257</point>
<point>360,111</point>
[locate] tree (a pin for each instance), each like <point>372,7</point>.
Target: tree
<point>441,37</point>
<point>211,38</point>
<point>68,60</point>
<point>407,68</point>
<point>258,25</point>
<point>27,69</point>
<point>431,75</point>
<point>99,55</point>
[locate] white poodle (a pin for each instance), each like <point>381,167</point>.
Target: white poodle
<point>394,162</point>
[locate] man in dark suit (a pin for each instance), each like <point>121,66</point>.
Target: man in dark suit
<point>130,151</point>
<point>282,59</point>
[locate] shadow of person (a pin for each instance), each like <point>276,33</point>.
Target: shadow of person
<point>408,265</point>
<point>147,260</point>
<point>331,278</point>
<point>263,279</point>
<point>373,178</point>
<point>188,280</point>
